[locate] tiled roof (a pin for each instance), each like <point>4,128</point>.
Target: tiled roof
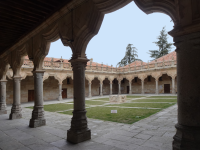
<point>168,57</point>
<point>66,61</point>
<point>135,63</point>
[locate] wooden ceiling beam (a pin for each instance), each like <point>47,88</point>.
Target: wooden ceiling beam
<point>14,12</point>
<point>27,7</point>
<point>38,5</point>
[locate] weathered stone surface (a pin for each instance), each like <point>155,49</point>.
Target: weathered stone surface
<point>117,98</point>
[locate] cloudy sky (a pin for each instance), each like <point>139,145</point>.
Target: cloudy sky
<point>129,25</point>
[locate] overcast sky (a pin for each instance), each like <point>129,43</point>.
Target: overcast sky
<point>129,25</point>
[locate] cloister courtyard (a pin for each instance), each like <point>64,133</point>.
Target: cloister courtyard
<point>27,29</point>
<point>143,122</point>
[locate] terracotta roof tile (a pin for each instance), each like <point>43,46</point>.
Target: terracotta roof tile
<point>168,57</point>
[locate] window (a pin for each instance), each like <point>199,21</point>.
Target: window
<point>149,78</point>
<point>160,79</point>
<point>123,81</point>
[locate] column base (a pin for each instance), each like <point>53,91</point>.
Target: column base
<point>37,119</point>
<point>60,98</point>
<point>3,112</point>
<point>16,115</point>
<point>186,138</point>
<point>78,137</point>
<point>37,123</point>
<point>3,109</point>
<point>89,96</point>
<point>15,112</point>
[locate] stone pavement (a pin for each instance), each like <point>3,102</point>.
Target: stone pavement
<point>153,133</point>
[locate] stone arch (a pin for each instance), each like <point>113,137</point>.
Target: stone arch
<point>42,41</point>
<point>3,69</point>
<point>23,75</point>
<point>150,84</point>
<point>164,72</point>
<point>167,7</point>
<point>45,76</point>
<point>16,60</point>
<point>85,24</point>
<point>89,77</point>
<point>60,77</point>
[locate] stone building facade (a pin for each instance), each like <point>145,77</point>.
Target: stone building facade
<point>76,23</point>
<point>132,78</point>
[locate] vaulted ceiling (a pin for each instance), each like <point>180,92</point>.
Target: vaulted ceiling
<point>19,17</point>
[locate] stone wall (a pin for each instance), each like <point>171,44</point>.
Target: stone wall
<point>136,86</point>
<point>51,88</point>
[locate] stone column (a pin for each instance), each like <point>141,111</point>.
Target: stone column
<point>173,86</point>
<point>130,90</point>
<point>79,130</point>
<point>16,106</point>
<point>187,135</point>
<point>101,87</point>
<point>142,81</point>
<point>110,87</point>
<point>38,110</point>
<point>60,92</point>
<point>119,86</point>
<point>90,89</point>
<point>3,97</point>
<point>156,86</point>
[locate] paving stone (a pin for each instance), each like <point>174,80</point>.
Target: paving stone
<point>143,136</point>
<point>136,141</point>
<point>52,138</point>
<point>32,141</point>
<point>11,145</point>
<point>43,147</point>
<point>152,133</point>
<point>63,144</point>
<point>152,144</point>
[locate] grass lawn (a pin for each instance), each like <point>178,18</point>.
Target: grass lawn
<point>156,100</point>
<point>102,99</point>
<point>56,107</point>
<point>134,96</point>
<point>88,102</point>
<point>173,97</point>
<point>123,115</point>
<point>146,105</point>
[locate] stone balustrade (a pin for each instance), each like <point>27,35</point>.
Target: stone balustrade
<point>100,68</point>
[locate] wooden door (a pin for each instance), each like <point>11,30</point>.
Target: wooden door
<point>127,89</point>
<point>64,93</point>
<point>30,95</point>
<point>166,88</point>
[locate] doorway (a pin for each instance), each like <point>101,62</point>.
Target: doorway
<point>127,89</point>
<point>30,95</point>
<point>64,93</point>
<point>166,88</point>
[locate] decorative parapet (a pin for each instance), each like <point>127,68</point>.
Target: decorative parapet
<point>105,68</point>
